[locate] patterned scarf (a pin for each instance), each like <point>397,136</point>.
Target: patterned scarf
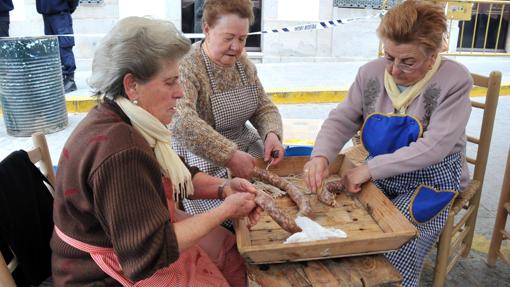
<point>402,100</point>
<point>158,136</point>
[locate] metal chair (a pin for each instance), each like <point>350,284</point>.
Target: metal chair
<point>499,233</point>
<point>40,155</point>
<point>457,236</point>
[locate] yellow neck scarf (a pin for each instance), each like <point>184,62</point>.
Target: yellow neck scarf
<point>402,100</point>
<point>158,136</point>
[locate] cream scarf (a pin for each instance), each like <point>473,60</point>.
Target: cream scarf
<point>158,136</point>
<point>402,100</point>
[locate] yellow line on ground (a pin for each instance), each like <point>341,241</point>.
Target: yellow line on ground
<point>82,104</point>
<point>481,244</point>
<point>309,142</point>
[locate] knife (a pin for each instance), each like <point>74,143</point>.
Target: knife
<point>274,154</point>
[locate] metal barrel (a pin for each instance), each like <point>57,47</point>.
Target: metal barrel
<point>31,88</point>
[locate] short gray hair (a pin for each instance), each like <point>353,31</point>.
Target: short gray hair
<point>134,45</point>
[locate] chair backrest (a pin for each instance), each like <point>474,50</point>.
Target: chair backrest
<point>39,155</point>
<point>483,141</point>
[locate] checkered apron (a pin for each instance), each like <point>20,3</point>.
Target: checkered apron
<point>400,189</point>
<point>231,109</point>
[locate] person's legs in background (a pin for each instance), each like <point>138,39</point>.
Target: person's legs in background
<point>60,24</point>
<point>4,24</point>
<point>199,10</point>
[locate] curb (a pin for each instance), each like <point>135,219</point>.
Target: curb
<point>82,104</point>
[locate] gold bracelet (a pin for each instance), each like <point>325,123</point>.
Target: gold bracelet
<point>221,189</point>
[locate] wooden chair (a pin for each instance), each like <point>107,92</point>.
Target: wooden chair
<point>499,233</point>
<point>39,154</point>
<point>457,235</point>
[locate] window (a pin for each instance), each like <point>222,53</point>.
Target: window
<point>190,24</point>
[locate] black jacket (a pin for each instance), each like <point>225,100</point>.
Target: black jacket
<point>26,216</point>
<point>52,7</point>
<point>6,6</point>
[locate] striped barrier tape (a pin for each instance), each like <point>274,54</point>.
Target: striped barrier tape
<point>298,28</point>
<point>304,27</point>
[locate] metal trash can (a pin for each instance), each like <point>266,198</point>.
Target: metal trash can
<point>31,88</point>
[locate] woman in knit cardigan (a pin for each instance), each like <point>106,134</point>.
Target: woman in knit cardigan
<point>412,107</point>
<point>222,93</point>
<point>114,210</point>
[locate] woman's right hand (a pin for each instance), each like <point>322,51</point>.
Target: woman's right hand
<point>315,171</point>
<point>239,204</point>
<point>242,164</point>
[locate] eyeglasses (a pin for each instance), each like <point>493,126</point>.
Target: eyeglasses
<point>406,68</point>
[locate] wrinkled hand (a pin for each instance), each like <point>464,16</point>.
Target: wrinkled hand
<point>354,178</point>
<point>242,185</point>
<point>315,171</point>
<point>254,216</point>
<point>239,185</point>
<point>242,164</point>
<point>270,144</point>
<point>240,204</point>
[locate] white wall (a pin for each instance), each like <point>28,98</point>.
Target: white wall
<point>352,41</point>
<point>348,42</point>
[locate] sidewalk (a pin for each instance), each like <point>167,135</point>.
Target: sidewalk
<point>311,82</point>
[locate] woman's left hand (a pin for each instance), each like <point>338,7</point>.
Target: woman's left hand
<point>239,185</point>
<point>242,185</point>
<point>354,178</point>
<point>272,143</point>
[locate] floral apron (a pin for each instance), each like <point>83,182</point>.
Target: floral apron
<point>424,196</point>
<point>231,110</point>
<point>194,267</point>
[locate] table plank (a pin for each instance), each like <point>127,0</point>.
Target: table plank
<point>371,270</point>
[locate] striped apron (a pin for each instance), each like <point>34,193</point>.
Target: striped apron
<point>194,267</point>
<point>231,110</point>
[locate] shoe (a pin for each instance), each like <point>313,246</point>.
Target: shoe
<point>69,84</point>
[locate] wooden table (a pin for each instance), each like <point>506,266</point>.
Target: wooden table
<point>364,270</point>
<point>369,270</point>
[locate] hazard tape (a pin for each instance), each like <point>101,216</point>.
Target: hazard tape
<point>298,28</point>
<point>304,27</point>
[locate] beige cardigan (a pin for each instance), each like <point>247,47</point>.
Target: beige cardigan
<point>194,124</point>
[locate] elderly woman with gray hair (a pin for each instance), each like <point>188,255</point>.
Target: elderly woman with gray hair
<point>114,211</point>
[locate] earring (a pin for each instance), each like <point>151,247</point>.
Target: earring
<point>135,102</point>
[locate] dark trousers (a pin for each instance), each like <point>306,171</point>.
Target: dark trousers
<point>59,24</point>
<point>199,11</point>
<point>4,26</point>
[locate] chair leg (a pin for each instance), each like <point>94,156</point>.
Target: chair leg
<point>443,252</point>
<point>470,223</point>
<point>501,217</point>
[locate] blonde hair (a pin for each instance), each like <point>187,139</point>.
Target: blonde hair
<point>214,9</point>
<point>419,22</point>
<point>134,45</point>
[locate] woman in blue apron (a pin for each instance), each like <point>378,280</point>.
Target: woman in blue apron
<point>412,107</point>
<point>222,94</point>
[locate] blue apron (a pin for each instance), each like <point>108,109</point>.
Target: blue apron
<point>424,196</point>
